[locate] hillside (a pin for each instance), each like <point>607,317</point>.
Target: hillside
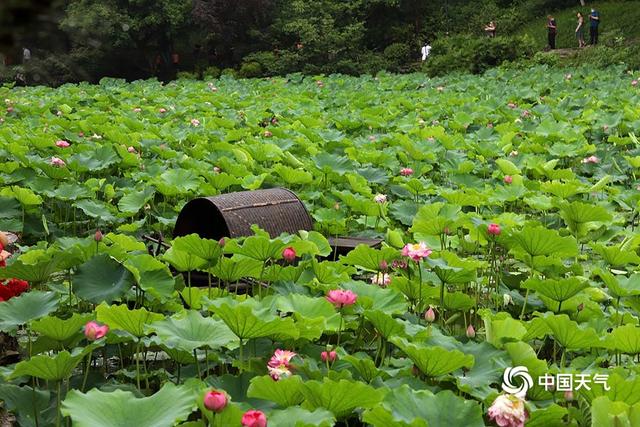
<point>619,18</point>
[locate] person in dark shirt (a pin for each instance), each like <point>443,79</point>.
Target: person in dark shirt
<point>594,17</point>
<point>552,31</point>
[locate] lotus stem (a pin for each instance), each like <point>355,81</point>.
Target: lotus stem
<point>86,371</point>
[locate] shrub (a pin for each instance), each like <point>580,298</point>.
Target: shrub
<point>212,72</point>
<point>396,55</point>
<point>250,69</point>
<point>475,54</point>
<point>187,75</point>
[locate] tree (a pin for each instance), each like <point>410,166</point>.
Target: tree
<point>134,38</point>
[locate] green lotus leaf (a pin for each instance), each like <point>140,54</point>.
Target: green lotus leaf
<point>123,318</point>
<point>193,244</point>
<point>364,365</point>
<point>25,308</point>
<point>507,167</point>
<point>620,286</point>
<point>36,272</point>
<point>537,241</point>
<point>388,300</point>
<point>386,325</point>
<point>188,331</point>
<point>433,361</point>
<point>25,196</point>
<point>118,408</point>
<point>101,279</point>
<point>339,397</point>
<point>502,328</point>
<point>488,367</point>
<point>61,329</point>
<point>558,290</point>
<point>421,408</point>
<point>366,257</point>
<point>258,248</point>
<point>299,417</point>
<point>577,214</point>
<point>131,203</point>
<point>285,392</point>
<point>570,335</point>
<point>50,368</point>
<point>616,256</point>
<point>152,275</point>
<point>625,339</point>
<point>247,320</point>
<point>27,404</point>
<point>551,415</point>
<point>182,260</point>
<point>605,412</point>
<point>95,209</point>
<point>235,268</point>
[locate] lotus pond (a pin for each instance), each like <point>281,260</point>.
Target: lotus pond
<point>508,204</point>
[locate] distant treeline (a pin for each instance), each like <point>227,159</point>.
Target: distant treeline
<point>84,40</point>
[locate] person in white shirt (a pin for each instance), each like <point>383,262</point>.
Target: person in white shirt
<point>26,54</point>
<point>426,49</point>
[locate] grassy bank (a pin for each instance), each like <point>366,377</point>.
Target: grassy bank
<point>618,19</point>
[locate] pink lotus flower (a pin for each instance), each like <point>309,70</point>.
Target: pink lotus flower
<point>340,298</point>
<point>471,332</point>
<point>281,357</point>
<point>215,400</point>
<point>9,109</point>
<point>222,242</point>
<point>526,113</point>
<point>131,150</point>
<point>137,110</point>
<point>508,179</point>
<point>98,236</point>
<point>380,198</point>
<point>383,265</point>
<point>440,88</point>
<point>490,125</point>
<point>567,76</point>
<point>634,83</point>
<point>591,159</point>
<point>508,411</point>
<point>416,251</point>
<point>513,153</point>
<point>93,331</point>
<point>162,110</point>
<point>406,171</point>
<point>289,254</point>
<point>268,134</point>
<point>494,229</point>
<point>253,418</point>
<point>430,315</point>
<point>59,113</point>
<point>81,134</point>
<point>278,372</point>
<point>62,143</point>
<point>195,122</point>
<point>319,83</point>
<point>372,138</point>
<point>216,169</point>
<point>381,279</point>
<point>511,105</point>
<point>56,161</point>
<point>568,395</point>
<point>330,356</point>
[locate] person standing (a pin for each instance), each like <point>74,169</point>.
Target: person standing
<point>490,29</point>
<point>594,17</point>
<point>552,31</point>
<point>26,54</point>
<point>580,30</point>
<point>425,51</point>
